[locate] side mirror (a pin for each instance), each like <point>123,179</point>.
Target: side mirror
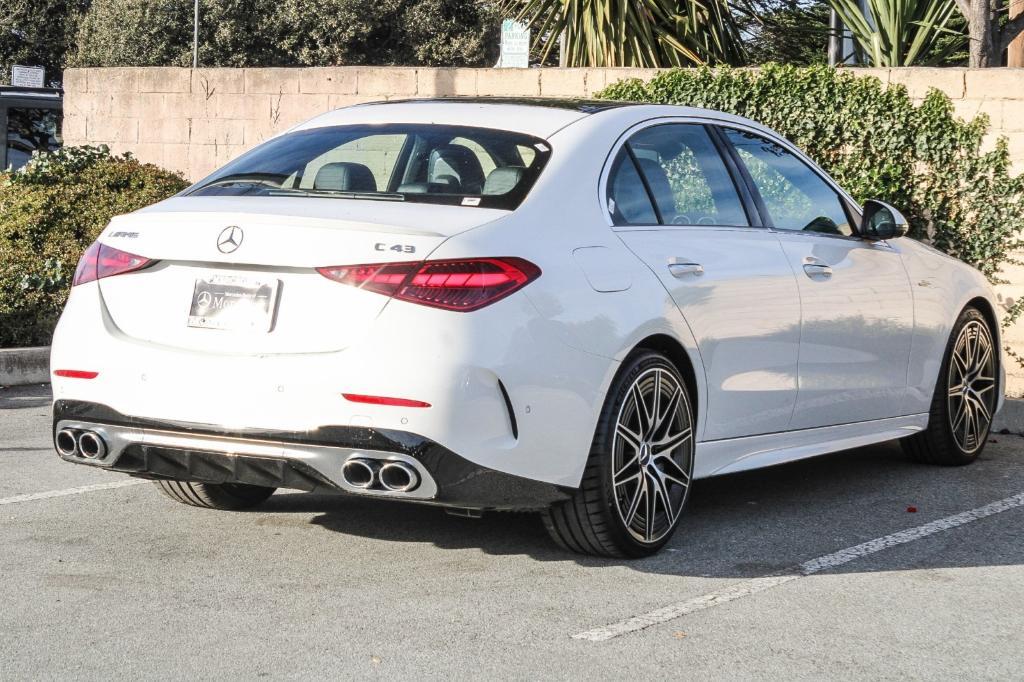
<point>882,221</point>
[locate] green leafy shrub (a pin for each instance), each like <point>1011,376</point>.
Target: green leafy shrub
<point>288,33</point>
<point>49,212</point>
<point>878,144</point>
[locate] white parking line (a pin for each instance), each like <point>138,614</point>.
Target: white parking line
<point>70,491</point>
<point>822,563</point>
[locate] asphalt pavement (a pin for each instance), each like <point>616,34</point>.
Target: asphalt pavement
<point>858,565</point>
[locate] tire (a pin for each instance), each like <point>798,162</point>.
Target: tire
<point>225,496</point>
<point>959,421</point>
<point>609,517</point>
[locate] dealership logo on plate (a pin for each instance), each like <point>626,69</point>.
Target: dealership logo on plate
<point>230,239</point>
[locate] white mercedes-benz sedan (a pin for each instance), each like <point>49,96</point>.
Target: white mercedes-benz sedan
<point>569,307</point>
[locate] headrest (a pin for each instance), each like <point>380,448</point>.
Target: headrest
<point>460,164</point>
<point>346,177</point>
<point>503,180</point>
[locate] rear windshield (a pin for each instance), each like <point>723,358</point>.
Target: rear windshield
<point>422,163</point>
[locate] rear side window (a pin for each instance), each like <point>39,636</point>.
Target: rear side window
<point>683,178</point>
<point>439,164</point>
<point>687,176</point>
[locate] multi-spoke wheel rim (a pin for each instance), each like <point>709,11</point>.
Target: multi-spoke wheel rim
<point>652,455</point>
<point>972,382</point>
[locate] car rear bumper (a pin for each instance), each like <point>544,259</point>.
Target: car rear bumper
<point>304,460</point>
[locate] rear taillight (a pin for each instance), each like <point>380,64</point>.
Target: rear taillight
<point>460,284</point>
<point>100,261</point>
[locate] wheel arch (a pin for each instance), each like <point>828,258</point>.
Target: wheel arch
<point>988,311</point>
<point>674,351</point>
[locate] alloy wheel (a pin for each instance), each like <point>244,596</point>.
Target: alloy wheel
<point>652,455</point>
<point>972,382</point>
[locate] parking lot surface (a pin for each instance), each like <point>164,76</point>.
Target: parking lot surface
<point>861,564</point>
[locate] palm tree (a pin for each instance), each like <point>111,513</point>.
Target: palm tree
<point>638,33</point>
<point>900,32</point>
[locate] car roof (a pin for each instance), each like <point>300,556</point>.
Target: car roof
<point>537,116</point>
<point>584,106</point>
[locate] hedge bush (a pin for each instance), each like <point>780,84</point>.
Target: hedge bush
<point>878,144</point>
<point>52,209</point>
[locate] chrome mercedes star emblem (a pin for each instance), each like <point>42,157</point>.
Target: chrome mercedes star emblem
<point>230,239</point>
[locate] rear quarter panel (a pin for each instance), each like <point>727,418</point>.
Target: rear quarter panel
<point>595,298</point>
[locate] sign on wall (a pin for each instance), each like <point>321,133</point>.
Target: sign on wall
<point>515,45</point>
<point>28,76</point>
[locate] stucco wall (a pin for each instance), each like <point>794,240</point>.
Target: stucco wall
<point>196,120</point>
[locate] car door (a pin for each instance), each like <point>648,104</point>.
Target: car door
<point>677,203</point>
<point>856,303</point>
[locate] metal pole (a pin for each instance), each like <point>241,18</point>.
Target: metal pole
<point>195,38</point>
<point>835,39</point>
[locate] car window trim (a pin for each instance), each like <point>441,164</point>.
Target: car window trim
<point>752,205</point>
<point>643,180</point>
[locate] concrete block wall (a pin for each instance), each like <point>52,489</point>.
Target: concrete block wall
<point>193,121</point>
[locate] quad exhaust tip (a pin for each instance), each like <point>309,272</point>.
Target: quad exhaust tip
<point>66,442</point>
<point>399,477</point>
<point>366,474</point>
<point>87,444</point>
<point>91,446</point>
<point>360,473</point>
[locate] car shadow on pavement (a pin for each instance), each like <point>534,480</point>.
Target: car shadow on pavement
<point>19,397</point>
<point>741,525</point>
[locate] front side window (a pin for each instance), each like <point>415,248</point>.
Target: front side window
<point>441,164</point>
<point>795,196</point>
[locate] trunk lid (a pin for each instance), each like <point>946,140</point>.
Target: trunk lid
<point>237,275</point>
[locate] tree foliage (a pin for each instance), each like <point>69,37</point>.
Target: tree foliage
<point>37,33</point>
<point>878,144</point>
<point>648,33</point>
<point>52,209</point>
<point>792,32</point>
<point>991,29</point>
<point>288,33</point>
<point>900,32</point>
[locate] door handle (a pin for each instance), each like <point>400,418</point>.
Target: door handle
<point>681,268</point>
<point>817,270</point>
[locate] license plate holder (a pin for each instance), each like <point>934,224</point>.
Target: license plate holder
<point>234,304</point>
